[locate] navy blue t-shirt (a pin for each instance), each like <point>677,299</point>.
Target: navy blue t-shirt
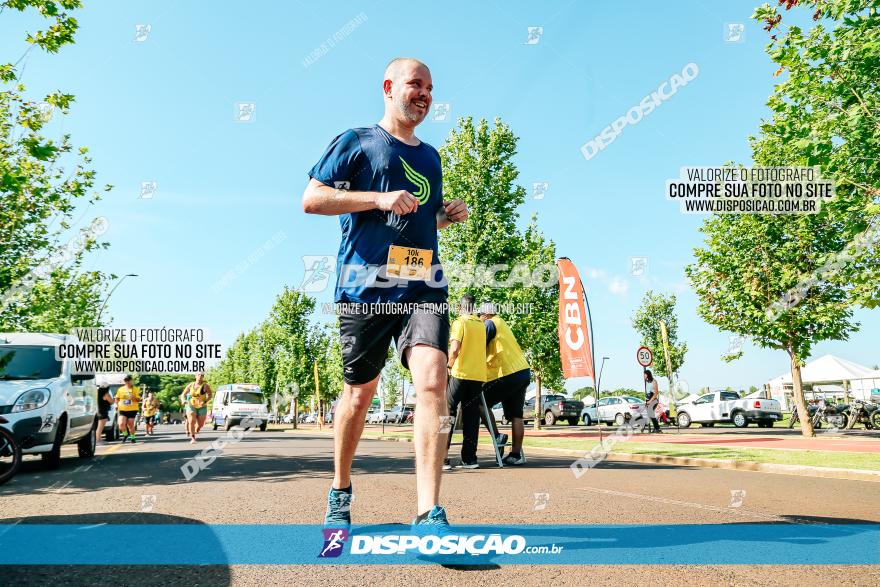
<point>371,160</point>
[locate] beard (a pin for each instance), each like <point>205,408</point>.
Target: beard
<point>408,110</point>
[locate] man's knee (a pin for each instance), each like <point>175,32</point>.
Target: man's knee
<point>360,399</point>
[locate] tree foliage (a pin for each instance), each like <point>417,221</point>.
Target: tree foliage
<point>280,353</point>
<point>42,183</point>
<point>790,281</point>
<point>646,321</point>
<point>478,168</point>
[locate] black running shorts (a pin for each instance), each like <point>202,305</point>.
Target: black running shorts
<point>366,331</point>
<point>510,390</point>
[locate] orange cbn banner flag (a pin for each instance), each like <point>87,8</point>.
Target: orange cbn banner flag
<point>574,338</point>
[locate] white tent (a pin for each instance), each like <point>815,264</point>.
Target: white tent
<point>827,376</point>
<point>867,387</point>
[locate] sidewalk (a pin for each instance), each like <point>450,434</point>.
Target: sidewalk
<point>822,441</point>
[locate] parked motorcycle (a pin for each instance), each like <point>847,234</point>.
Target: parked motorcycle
<point>835,415</point>
<point>795,417</point>
<point>860,411</point>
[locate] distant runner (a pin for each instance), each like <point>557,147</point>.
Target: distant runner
<point>195,398</point>
<point>151,406</point>
<point>128,399</point>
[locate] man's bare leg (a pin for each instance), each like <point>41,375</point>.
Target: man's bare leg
<point>347,428</point>
<point>428,368</point>
<point>519,431</point>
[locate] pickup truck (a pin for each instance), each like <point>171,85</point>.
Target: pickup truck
<point>555,407</point>
<point>727,406</point>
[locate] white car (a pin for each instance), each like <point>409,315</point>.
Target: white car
<point>726,406</point>
<point>613,409</point>
<point>237,402</point>
<point>45,404</point>
<point>377,417</point>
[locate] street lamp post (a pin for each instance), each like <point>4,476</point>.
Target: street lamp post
<point>118,283</point>
<point>598,392</point>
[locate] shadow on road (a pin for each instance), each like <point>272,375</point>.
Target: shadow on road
<point>138,575</point>
<point>163,467</point>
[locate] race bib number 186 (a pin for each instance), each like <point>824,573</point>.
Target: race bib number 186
<point>409,263</point>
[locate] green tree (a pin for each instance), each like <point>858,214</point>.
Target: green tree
<point>826,113</point>
<point>628,391</point>
<point>42,284</point>
<point>790,281</point>
<point>583,392</point>
<point>657,307</point>
<point>393,379</point>
<point>478,168</point>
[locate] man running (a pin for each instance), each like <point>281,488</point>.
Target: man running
<point>386,187</point>
<point>151,406</point>
<point>128,399</point>
<point>195,398</point>
<point>508,377</point>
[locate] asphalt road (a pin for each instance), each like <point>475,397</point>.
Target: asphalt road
<point>282,478</point>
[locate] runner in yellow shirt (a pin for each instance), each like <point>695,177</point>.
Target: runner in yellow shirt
<point>195,397</point>
<point>128,400</point>
<point>151,406</point>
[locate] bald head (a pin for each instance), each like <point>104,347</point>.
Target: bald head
<point>399,64</point>
<point>407,86</point>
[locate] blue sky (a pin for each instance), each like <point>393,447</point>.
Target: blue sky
<point>163,110</point>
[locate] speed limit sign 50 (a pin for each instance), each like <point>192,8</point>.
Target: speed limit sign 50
<point>644,356</point>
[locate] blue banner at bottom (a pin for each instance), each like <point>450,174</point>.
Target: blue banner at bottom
<point>198,544</point>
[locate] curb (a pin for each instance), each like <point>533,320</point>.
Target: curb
<point>800,470</point>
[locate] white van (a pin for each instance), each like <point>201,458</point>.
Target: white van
<point>45,405</point>
<point>237,401</point>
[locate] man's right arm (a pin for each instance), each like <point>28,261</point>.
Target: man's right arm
<point>319,198</point>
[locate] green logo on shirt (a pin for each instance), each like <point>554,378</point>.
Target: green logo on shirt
<point>420,181</point>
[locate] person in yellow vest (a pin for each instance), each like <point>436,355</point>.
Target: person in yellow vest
<point>507,377</point>
<point>128,401</point>
<point>151,406</point>
<point>467,373</point>
<point>195,397</point>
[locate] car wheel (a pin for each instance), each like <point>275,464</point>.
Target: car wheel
<point>263,427</point>
<point>52,459</point>
<point>215,425</point>
<point>572,421</point>
<point>768,423</point>
<point>684,420</point>
<point>86,445</point>
<point>618,420</point>
<point>875,419</point>
<point>228,425</point>
<point>587,420</point>
<point>739,420</point>
<point>549,418</point>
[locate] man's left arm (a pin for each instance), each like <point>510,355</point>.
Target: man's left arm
<point>452,211</point>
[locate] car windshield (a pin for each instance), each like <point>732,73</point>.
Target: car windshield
<point>246,397</point>
<point>28,362</point>
<point>633,400</point>
<point>554,398</point>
